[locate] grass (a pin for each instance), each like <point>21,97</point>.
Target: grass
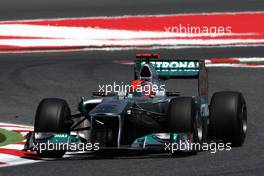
<point>9,137</point>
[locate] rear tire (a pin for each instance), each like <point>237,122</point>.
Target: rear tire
<point>228,117</point>
<point>51,115</point>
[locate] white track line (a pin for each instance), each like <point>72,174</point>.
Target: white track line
<point>235,65</point>
<point>252,59</point>
<point>14,125</point>
<point>125,43</point>
<point>94,33</point>
<point>13,146</point>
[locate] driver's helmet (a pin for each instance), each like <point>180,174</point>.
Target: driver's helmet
<point>143,87</point>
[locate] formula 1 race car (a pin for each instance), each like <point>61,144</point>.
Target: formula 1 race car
<point>147,117</point>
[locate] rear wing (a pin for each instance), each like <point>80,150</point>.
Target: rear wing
<point>169,69</point>
<point>177,69</point>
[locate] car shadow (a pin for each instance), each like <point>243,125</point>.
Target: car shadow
<point>122,155</point>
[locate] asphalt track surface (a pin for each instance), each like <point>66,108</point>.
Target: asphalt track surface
<point>27,78</point>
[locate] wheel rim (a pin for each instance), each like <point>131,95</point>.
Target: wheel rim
<point>244,119</point>
<point>199,127</point>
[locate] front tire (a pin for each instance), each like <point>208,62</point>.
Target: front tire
<point>51,116</point>
<point>185,118</point>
